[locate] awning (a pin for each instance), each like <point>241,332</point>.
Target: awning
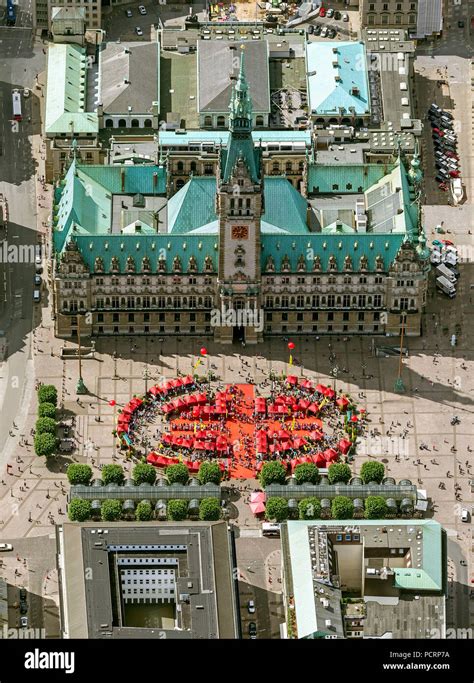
<point>258,497</point>
<point>257,508</point>
<point>292,379</point>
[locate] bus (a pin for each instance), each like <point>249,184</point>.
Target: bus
<point>16,97</point>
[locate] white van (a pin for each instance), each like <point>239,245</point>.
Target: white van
<point>443,270</point>
<point>36,296</point>
<point>446,286</point>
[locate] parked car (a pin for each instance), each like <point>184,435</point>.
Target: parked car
<point>337,15</point>
<point>464,515</point>
<point>324,32</point>
<point>128,13</point>
<point>317,29</point>
<point>332,32</point>
<point>330,13</point>
<point>138,31</point>
<point>448,114</point>
<point>37,280</point>
<point>5,546</point>
<point>345,17</point>
<point>24,622</point>
<point>460,24</point>
<point>455,174</point>
<point>252,630</point>
<point>437,132</point>
<point>310,29</point>
<point>22,593</point>
<point>434,108</point>
<point>251,607</point>
<point>322,12</point>
<point>23,607</point>
<point>142,9</point>
<point>452,155</point>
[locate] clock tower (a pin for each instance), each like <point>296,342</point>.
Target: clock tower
<point>239,206</point>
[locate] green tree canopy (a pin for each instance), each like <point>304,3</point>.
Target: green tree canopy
<point>111,510</point>
<point>79,510</point>
<point>277,509</point>
<point>48,393</point>
<point>342,508</point>
<point>143,472</point>
<point>45,444</point>
<point>144,511</point>
<point>273,472</point>
<point>209,510</point>
<point>177,510</point>
<point>47,410</point>
<point>372,470</point>
<point>79,474</point>
<point>113,474</point>
<point>310,508</point>
<point>209,472</point>
<point>177,474</point>
<point>307,472</point>
<point>45,425</point>
<point>375,507</point>
<point>339,472</point>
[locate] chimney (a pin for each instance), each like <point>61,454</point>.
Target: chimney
<point>122,178</point>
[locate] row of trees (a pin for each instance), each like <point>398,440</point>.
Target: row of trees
<point>143,473</point>
<point>342,507</point>
<point>275,472</point>
<point>46,441</point>
<point>80,510</point>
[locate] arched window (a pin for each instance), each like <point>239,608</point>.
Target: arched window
<point>122,123</point>
<point>259,121</point>
<point>208,121</point>
<point>179,183</point>
<point>288,167</point>
<point>135,123</point>
<point>180,166</point>
<point>220,121</point>
<point>109,123</point>
<point>193,166</point>
<point>147,123</point>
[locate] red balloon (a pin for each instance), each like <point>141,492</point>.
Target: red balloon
<point>203,351</point>
<point>111,402</point>
<point>291,346</point>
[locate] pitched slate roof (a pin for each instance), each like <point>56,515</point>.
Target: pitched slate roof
<point>66,91</point>
<point>217,63</point>
<point>334,69</point>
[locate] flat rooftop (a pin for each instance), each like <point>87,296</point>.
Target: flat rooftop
<point>178,88</point>
<point>199,553</point>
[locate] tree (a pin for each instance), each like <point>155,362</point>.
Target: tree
<point>144,511</point>
<point>79,510</point>
<point>177,474</point>
<point>375,507</point>
<point>209,510</point>
<point>48,393</point>
<point>372,471</point>
<point>47,410</point>
<point>45,425</point>
<point>307,472</point>
<point>45,444</point>
<point>113,474</point>
<point>209,472</point>
<point>277,509</point>
<point>177,510</point>
<point>272,473</point>
<point>144,473</point>
<point>111,510</point>
<point>310,508</point>
<point>339,472</point>
<point>342,508</point>
<point>79,474</point>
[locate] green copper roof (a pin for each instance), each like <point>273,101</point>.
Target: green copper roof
<point>193,206</point>
<point>66,91</point>
<point>151,246</point>
<point>344,179</point>
<point>338,228</point>
<point>192,209</point>
<point>430,576</point>
<point>312,245</point>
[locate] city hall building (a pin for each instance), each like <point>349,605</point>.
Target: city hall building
<point>346,254</point>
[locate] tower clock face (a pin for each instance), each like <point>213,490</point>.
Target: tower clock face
<point>240,232</point>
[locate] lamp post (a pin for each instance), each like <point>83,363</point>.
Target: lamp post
<point>146,377</point>
<point>334,373</point>
<point>399,386</point>
<point>80,387</point>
